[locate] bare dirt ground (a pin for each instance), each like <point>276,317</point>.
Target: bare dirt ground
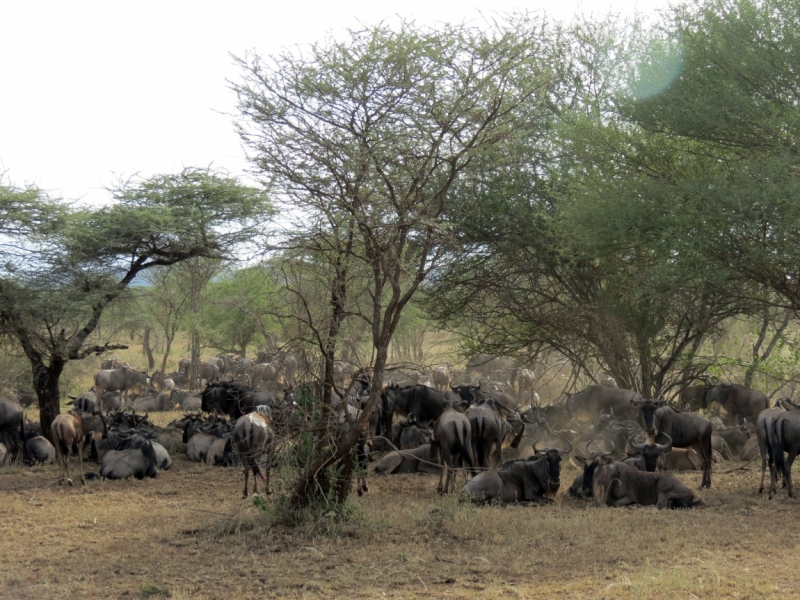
<point>187,534</point>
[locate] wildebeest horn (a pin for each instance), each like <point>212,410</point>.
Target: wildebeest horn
<point>568,450</point>
<point>634,445</point>
<point>536,450</point>
<point>637,403</point>
<point>664,448</point>
<point>73,397</point>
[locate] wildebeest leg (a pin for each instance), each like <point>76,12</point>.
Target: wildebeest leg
<point>787,470</point>
<point>66,468</point>
<point>763,449</point>
<point>704,447</point>
<point>80,463</point>
<point>624,501</point>
<point>246,477</point>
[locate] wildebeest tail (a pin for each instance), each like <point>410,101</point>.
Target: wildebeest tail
<point>22,438</point>
<point>62,444</point>
<point>480,447</point>
<point>434,451</point>
<point>466,455</point>
<point>768,443</point>
<point>777,444</point>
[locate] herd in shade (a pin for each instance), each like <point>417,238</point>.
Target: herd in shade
<point>494,441</point>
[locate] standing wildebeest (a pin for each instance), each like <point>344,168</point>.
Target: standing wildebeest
<point>67,431</point>
<point>737,400</point>
<point>12,426</point>
<point>426,403</point>
<point>232,399</point>
<point>452,438</point>
<point>489,431</point>
<point>473,393</point>
<point>122,379</point>
<point>441,377</point>
<point>619,484</point>
<point>785,438</point>
<point>600,398</point>
<point>27,399</point>
<point>252,438</point>
<point>526,378</point>
<point>764,434</point>
<point>533,480</point>
<point>685,429</point>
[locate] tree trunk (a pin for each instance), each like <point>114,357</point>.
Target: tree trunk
<point>151,363</point>
<point>45,382</point>
<point>194,369</point>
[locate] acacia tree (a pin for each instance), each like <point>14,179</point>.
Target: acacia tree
<point>371,134</point>
<point>63,266</point>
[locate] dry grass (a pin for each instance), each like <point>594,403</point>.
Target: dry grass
<point>187,535</point>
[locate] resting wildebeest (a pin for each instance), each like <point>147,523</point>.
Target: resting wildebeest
<point>534,480</point>
<point>231,399</point>
<point>452,439</point>
<point>619,484</point>
<point>583,484</point>
<point>40,450</point>
<point>785,438</point>
<point>67,431</point>
<point>12,426</point>
<point>600,398</point>
<point>135,462</point>
<point>121,379</point>
<point>686,429</point>
<point>426,403</point>
<point>648,454</point>
<point>737,400</point>
<point>252,440</point>
<point>410,434</point>
<point>151,402</point>
<point>417,460</point>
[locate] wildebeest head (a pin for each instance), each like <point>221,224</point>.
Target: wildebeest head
<point>468,393</point>
<point>651,451</point>
<point>648,408</point>
<point>553,456</point>
<point>590,462</point>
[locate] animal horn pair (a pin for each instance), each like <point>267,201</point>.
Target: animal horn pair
<point>545,450</point>
<point>600,452</point>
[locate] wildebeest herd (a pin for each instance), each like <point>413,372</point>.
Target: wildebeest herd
<point>504,444</point>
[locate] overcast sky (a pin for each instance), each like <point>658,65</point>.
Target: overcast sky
<point>93,91</point>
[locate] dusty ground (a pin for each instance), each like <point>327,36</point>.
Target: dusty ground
<point>186,534</point>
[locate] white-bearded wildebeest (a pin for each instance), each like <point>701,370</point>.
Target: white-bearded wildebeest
<point>583,484</point>
<point>737,400</point>
<point>619,484</point>
<point>534,480</point>
<point>686,429</point>
<point>785,438</point>
<point>452,440</point>
<point>138,462</point>
<point>648,453</point>
<point>417,460</point>
<point>12,427</point>
<point>67,432</point>
<point>252,439</point>
<point>764,434</point>
<point>600,398</point>
<point>441,377</point>
<point>473,393</point>
<point>122,379</point>
<point>426,403</point>
<point>490,429</point>
<point>232,399</point>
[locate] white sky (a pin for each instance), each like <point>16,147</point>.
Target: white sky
<point>91,91</point>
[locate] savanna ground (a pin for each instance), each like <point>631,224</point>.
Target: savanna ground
<point>186,534</point>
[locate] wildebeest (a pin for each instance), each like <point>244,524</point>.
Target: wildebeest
<point>526,378</point>
<point>252,438</point>
<point>138,462</point>
<point>649,453</point>
<point>734,437</point>
<point>197,446</point>
<point>489,430</point>
<point>533,480</point>
<point>417,460</point>
<point>583,485</point>
<point>410,434</point>
<point>231,399</point>
<point>220,452</point>
<point>681,459</point>
<point>27,399</point>
<point>12,427</point>
<point>600,398</point>
<point>452,440</point>
<point>40,450</point>
<point>764,434</point>
<point>426,403</point>
<point>67,432</point>
<point>785,438</point>
<point>154,402</point>
<point>619,484</point>
<point>441,377</point>
<point>686,429</point>
<point>737,400</point>
<point>121,379</point>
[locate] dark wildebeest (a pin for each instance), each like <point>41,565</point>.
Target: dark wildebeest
<point>785,438</point>
<point>685,429</point>
<point>737,400</point>
<point>764,434</point>
<point>12,426</point>
<point>27,399</point>
<point>231,399</point>
<point>408,461</point>
<point>410,434</point>
<point>121,379</point>
<point>252,438</point>
<point>619,484</point>
<point>426,403</point>
<point>583,484</point>
<point>534,480</point>
<point>40,450</point>
<point>67,432</point>
<point>601,398</point>
<point>489,430</point>
<point>473,393</point>
<point>154,402</point>
<point>138,462</point>
<point>648,454</point>
<point>734,437</point>
<point>452,439</point>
